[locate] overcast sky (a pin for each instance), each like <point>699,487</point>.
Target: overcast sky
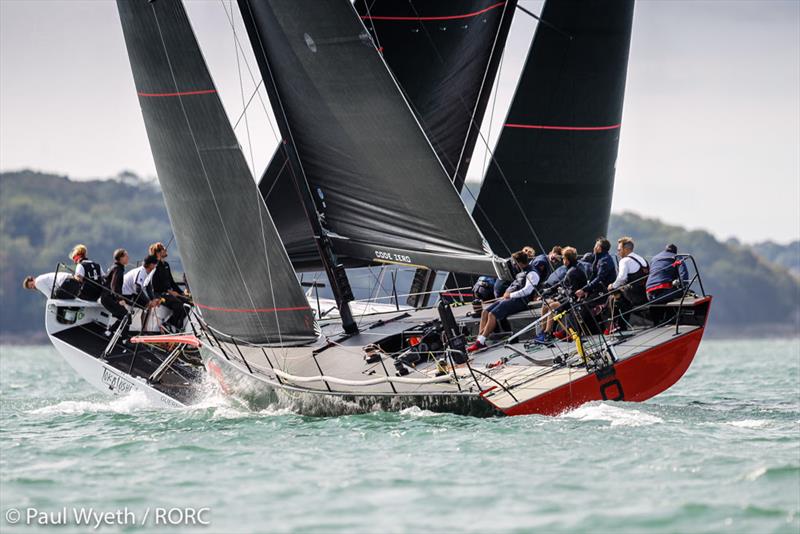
<point>710,135</point>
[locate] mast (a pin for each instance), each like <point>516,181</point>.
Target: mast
<point>335,271</point>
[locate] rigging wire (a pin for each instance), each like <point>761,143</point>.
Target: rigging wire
<point>229,16</point>
<point>258,199</point>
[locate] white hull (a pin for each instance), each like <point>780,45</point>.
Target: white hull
<point>99,374</point>
<point>107,379</point>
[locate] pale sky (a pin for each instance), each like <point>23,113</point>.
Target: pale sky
<point>711,125</point>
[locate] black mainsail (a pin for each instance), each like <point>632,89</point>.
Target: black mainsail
<point>558,148</point>
<point>240,274</point>
<point>379,190</point>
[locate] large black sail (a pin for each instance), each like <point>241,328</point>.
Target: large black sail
<point>240,275</point>
<point>444,54</point>
<point>558,147</point>
<point>377,183</point>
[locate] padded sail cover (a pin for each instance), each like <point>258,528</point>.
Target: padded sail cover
<point>240,275</point>
<point>558,147</point>
<point>444,54</point>
<point>383,194</point>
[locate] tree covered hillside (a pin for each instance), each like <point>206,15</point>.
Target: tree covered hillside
<point>750,292</point>
<point>42,216</point>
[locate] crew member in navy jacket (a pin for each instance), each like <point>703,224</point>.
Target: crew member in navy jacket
<point>604,270</point>
<point>665,270</point>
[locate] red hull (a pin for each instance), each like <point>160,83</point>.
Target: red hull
<point>635,379</point>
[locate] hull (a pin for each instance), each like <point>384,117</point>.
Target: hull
<point>76,330</point>
<point>109,380</point>
<point>647,362</point>
<point>259,393</point>
<point>635,380</point>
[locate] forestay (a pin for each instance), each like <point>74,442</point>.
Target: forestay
<point>379,188</point>
<point>237,267</point>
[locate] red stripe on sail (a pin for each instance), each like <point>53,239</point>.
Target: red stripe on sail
<point>182,93</point>
<point>567,128</point>
<point>250,310</point>
<point>444,17</point>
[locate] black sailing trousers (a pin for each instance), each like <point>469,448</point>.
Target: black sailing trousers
<point>117,310</point>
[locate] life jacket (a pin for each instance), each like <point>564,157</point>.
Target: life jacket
<point>484,288</point>
<point>634,289</point>
<point>93,283</point>
<point>542,266</point>
<point>521,280</point>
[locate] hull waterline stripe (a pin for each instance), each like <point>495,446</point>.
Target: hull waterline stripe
<point>182,93</point>
<point>565,128</point>
<point>250,310</point>
<point>443,17</point>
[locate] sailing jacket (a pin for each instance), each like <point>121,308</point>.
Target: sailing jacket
<point>542,267</point>
<point>603,273</point>
<point>162,279</point>
<point>574,279</point>
<point>663,270</point>
<point>114,279</point>
<point>556,277</point>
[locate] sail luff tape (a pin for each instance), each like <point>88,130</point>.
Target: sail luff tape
<point>372,382</point>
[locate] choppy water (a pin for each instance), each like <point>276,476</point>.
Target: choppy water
<point>719,452</point>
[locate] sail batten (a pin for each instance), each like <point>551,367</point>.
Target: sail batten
<point>237,267</point>
<point>558,147</point>
<point>377,184</point>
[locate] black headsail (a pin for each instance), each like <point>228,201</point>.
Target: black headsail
<point>378,187</point>
<point>558,147</point>
<point>444,54</point>
<point>240,274</point>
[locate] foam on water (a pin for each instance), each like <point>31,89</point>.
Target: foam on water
<point>748,423</point>
<point>132,402</point>
<point>416,411</point>
<point>614,414</point>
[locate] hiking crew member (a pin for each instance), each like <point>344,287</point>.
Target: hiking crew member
<point>44,284</point>
<point>112,297</point>
<point>574,278</point>
<point>667,276</point>
<point>165,287</point>
<point>603,270</point>
<point>633,271</point>
<point>136,285</point>
<point>514,300</point>
<point>89,274</point>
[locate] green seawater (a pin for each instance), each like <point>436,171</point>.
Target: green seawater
<point>719,452</point>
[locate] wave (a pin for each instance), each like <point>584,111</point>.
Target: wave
<point>134,401</point>
<point>748,423</point>
<point>616,415</point>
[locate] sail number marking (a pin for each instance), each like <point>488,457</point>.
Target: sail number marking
<point>390,256</point>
